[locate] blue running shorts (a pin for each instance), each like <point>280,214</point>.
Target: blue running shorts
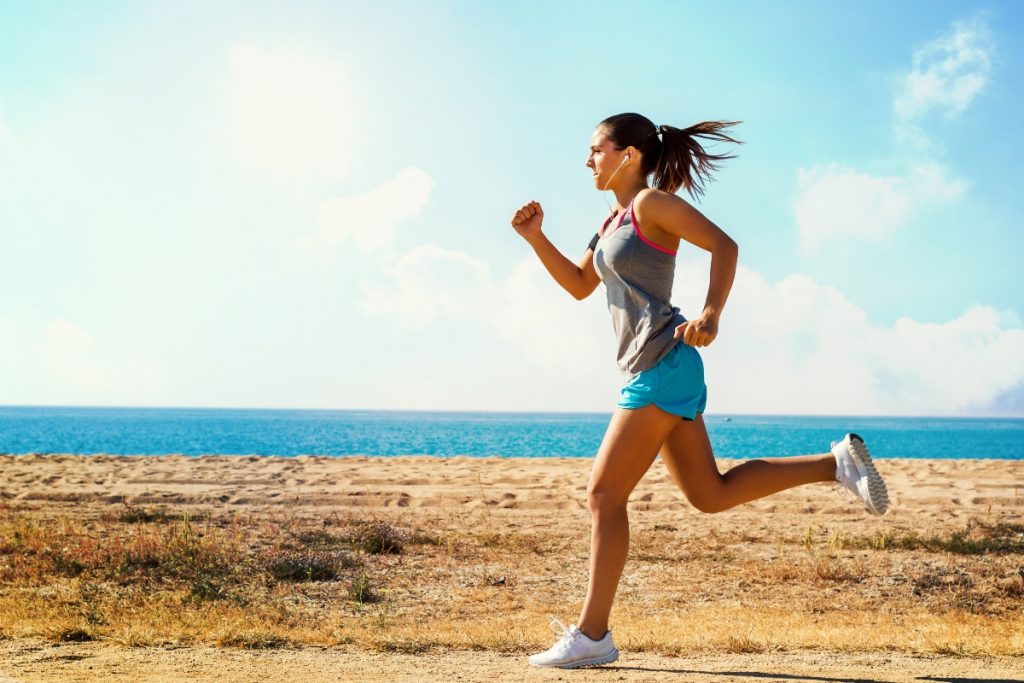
<point>675,384</point>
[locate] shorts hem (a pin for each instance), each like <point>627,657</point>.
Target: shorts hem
<point>685,416</point>
<point>690,417</point>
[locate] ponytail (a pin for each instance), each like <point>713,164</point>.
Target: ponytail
<point>675,160</point>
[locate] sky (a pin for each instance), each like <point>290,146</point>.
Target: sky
<point>307,205</point>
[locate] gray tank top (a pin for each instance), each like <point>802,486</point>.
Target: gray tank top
<point>637,276</point>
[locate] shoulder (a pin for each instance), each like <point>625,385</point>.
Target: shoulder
<point>664,216</point>
<point>654,208</point>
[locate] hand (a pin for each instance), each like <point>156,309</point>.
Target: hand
<point>699,332</point>
<point>528,219</point>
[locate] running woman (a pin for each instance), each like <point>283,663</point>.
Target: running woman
<point>660,410</point>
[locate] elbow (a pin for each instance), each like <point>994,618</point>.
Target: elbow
<point>583,291</point>
<point>579,288</point>
<point>729,246</point>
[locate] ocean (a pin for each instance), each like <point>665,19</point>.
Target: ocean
<point>199,431</point>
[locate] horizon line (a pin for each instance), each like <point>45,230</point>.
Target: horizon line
<point>507,412</point>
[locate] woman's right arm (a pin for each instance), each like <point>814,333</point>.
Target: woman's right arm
<point>579,280</point>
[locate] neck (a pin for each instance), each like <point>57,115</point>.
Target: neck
<point>625,194</point>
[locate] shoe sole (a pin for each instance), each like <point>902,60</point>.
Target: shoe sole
<point>603,659</point>
<point>878,495</point>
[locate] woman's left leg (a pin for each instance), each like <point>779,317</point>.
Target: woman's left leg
<point>629,447</point>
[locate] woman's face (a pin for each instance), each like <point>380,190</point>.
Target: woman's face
<point>604,159</point>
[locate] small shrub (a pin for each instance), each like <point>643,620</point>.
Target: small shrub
<point>976,538</point>
<point>147,515</point>
<point>378,537</point>
<point>72,634</point>
<point>308,566</point>
<point>65,565</point>
<point>407,646</point>
<point>90,595</point>
<point>130,515</point>
<point>955,649</point>
<point>743,644</point>
<point>320,537</point>
<point>942,580</point>
<point>361,590</point>
<point>829,568</point>
<point>253,641</point>
<point>1013,585</point>
<point>204,588</point>
<point>419,537</point>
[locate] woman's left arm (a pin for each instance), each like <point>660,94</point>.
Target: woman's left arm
<point>674,215</point>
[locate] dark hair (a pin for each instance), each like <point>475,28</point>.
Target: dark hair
<point>677,160</point>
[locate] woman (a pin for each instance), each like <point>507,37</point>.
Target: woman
<point>661,404</point>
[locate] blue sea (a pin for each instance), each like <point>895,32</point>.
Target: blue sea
<point>198,431</point>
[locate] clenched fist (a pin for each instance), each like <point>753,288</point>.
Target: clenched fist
<point>699,332</point>
<point>528,219</point>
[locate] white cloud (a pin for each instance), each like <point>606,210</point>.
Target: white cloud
<point>429,281</point>
<point>68,353</point>
<point>58,361</point>
<point>794,346</point>
<point>551,328</point>
<point>10,335</point>
<point>833,201</point>
<point>291,113</point>
<point>801,347</point>
<point>541,336</point>
<point>6,134</point>
<point>947,74</point>
<point>951,366</point>
<point>369,219</point>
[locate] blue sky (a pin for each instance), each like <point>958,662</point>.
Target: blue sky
<point>307,204</point>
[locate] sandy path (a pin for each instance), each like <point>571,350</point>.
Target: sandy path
<point>530,495</point>
<point>33,660</point>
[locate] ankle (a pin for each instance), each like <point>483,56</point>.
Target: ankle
<point>593,633</point>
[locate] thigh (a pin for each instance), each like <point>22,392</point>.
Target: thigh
<point>629,446</point>
<point>691,463</point>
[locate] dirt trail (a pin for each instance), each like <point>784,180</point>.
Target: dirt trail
<point>25,660</point>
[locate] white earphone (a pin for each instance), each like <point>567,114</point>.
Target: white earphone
<point>624,160</point>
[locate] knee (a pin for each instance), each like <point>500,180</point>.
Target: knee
<point>707,501</point>
<point>711,507</point>
<point>604,502</point>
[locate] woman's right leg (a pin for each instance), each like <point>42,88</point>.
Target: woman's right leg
<point>688,458</point>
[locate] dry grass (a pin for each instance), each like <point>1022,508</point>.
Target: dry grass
<point>267,579</point>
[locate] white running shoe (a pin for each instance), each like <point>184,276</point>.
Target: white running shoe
<point>574,649</point>
<point>857,473</point>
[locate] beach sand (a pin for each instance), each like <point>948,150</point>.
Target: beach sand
<point>801,584</point>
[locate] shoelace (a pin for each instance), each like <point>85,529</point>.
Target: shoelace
<point>565,635</point>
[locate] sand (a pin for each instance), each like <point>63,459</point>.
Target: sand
<point>534,496</point>
<point>40,661</point>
